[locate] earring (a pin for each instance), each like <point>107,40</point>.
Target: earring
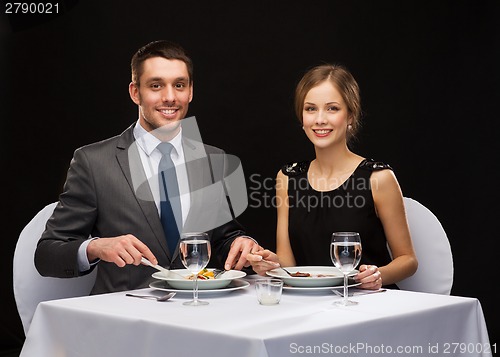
<point>349,127</point>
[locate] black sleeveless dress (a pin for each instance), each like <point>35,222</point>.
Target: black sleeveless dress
<point>315,215</point>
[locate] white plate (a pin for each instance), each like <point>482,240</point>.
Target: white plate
<point>235,284</point>
<point>334,276</point>
<point>317,288</point>
<point>186,284</point>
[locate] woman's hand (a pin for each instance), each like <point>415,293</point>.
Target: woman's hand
<point>263,260</point>
<point>369,276</point>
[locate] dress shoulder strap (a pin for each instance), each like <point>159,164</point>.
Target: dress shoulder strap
<point>295,168</point>
<point>372,165</point>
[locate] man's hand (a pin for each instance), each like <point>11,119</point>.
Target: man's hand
<point>241,246</point>
<point>120,250</point>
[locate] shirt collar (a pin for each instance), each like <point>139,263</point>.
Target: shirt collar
<point>148,142</point>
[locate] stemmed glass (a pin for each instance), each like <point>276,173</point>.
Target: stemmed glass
<point>195,253</point>
<point>345,251</point>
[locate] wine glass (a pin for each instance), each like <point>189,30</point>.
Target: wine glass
<point>195,253</point>
<point>345,251</point>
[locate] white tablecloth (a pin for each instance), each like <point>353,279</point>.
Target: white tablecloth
<point>234,324</point>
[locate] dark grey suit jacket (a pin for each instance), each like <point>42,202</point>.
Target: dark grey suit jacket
<point>102,198</point>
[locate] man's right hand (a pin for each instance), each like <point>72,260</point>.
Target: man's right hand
<point>121,250</point>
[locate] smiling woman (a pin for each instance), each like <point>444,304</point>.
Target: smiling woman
<point>325,115</point>
<point>340,84</point>
<point>327,103</point>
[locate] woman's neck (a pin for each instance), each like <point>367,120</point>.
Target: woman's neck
<point>332,167</point>
<point>334,160</point>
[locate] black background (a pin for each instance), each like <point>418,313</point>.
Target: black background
<point>428,72</point>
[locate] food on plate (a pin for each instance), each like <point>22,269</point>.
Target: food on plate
<point>299,274</point>
<point>204,274</point>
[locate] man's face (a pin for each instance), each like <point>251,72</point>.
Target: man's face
<point>163,94</point>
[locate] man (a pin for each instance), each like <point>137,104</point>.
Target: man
<point>102,199</point>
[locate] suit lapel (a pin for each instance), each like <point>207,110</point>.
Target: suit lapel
<point>131,165</point>
<point>197,166</point>
<point>199,176</point>
<point>209,208</point>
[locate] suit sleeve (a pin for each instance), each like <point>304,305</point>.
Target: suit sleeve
<point>70,224</point>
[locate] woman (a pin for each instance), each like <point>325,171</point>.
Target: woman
<point>338,190</point>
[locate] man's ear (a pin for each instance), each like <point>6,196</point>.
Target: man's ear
<point>133,90</point>
<point>191,92</point>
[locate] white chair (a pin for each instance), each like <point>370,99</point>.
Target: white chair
<point>30,288</point>
<point>435,260</point>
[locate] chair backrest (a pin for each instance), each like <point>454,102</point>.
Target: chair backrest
<point>30,288</point>
<point>435,260</point>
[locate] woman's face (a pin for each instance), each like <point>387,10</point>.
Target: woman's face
<point>325,116</point>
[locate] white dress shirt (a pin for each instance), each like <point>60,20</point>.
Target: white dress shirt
<point>150,158</point>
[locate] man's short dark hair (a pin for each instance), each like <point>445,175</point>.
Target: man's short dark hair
<point>166,49</point>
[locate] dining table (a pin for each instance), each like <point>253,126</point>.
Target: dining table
<point>305,322</point>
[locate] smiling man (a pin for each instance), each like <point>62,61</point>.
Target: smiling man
<point>103,219</point>
<point>164,95</point>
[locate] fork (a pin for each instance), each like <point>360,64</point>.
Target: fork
<point>286,271</point>
<point>157,298</point>
<point>218,273</point>
<point>278,267</point>
<point>165,271</point>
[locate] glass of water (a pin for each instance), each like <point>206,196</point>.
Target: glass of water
<point>345,251</point>
<point>195,253</point>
